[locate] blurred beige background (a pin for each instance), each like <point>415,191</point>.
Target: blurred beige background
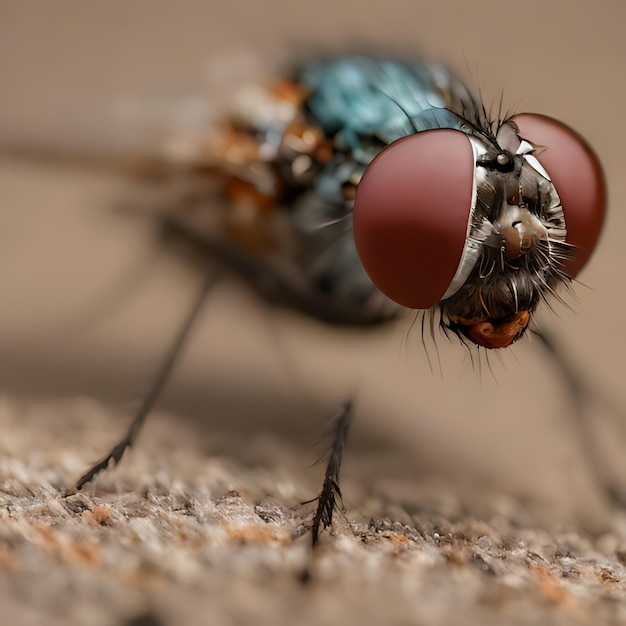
<point>70,70</point>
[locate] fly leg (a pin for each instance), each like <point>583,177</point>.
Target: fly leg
<point>581,395</point>
<point>331,493</point>
<point>161,379</point>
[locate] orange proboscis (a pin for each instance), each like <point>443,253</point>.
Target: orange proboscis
<point>490,334</point>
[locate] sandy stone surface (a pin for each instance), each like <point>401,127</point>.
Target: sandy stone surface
<point>179,536</point>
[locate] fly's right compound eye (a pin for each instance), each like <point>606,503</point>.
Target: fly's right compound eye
<point>411,215</point>
<point>577,176</point>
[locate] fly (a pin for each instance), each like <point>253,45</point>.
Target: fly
<point>364,186</point>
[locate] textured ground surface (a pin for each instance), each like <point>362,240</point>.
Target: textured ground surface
<point>178,537</point>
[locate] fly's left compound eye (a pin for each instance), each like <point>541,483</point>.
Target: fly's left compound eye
<point>577,177</point>
<point>411,215</point>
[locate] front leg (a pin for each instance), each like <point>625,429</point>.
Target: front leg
<point>331,493</point>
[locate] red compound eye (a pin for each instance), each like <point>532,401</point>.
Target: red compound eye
<point>578,179</point>
<point>411,215</point>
